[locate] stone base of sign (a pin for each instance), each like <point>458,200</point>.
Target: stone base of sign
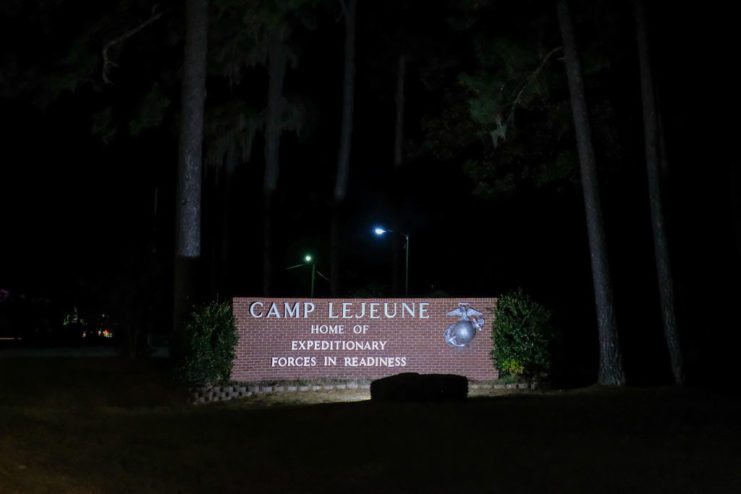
<point>211,394</point>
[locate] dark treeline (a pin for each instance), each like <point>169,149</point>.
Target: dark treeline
<point>460,133</point>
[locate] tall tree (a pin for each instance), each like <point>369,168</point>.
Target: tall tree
<point>734,191</point>
<point>651,128</point>
<point>229,137</point>
<point>250,34</point>
<point>188,194</point>
<point>610,361</point>
<point>277,61</point>
<point>399,104</point>
<point>343,155</point>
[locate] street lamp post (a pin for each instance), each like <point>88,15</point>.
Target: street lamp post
<point>309,259</point>
<point>380,231</point>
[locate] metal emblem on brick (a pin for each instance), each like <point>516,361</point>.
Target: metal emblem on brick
<point>461,333</point>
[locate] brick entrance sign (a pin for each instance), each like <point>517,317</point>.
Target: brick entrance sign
<point>370,338</point>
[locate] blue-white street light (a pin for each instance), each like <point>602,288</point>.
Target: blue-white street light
<point>381,231</point>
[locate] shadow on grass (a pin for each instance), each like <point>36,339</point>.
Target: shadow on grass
<point>64,382</point>
<point>589,440</point>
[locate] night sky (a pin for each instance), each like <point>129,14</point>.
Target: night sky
<point>88,209</point>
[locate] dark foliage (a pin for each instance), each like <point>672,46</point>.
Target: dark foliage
<point>521,336</point>
<point>207,345</point>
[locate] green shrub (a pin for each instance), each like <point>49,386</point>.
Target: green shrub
<point>521,337</point>
<point>208,345</point>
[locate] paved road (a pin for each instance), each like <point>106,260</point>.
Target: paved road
<point>59,352</point>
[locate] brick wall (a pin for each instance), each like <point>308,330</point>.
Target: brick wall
<point>279,345</point>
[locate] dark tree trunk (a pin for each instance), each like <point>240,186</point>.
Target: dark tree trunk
<point>652,144</point>
<point>213,180</point>
<point>610,361</point>
<point>334,253</point>
<point>398,163</point>
<point>277,60</point>
<point>663,157</point>
<point>230,164</point>
<point>188,195</point>
<point>343,155</point>
<point>267,244</point>
<point>399,120</point>
<point>734,189</point>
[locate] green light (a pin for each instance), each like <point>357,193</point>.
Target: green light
<point>307,258</point>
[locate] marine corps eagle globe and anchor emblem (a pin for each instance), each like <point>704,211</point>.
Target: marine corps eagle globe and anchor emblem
<point>460,334</point>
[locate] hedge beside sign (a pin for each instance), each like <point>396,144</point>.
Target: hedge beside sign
<point>303,338</point>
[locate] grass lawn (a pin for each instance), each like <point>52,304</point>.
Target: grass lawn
<point>108,425</point>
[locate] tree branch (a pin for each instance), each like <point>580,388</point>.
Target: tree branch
<point>500,129</point>
<point>529,81</point>
<point>107,62</point>
<point>344,10</point>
